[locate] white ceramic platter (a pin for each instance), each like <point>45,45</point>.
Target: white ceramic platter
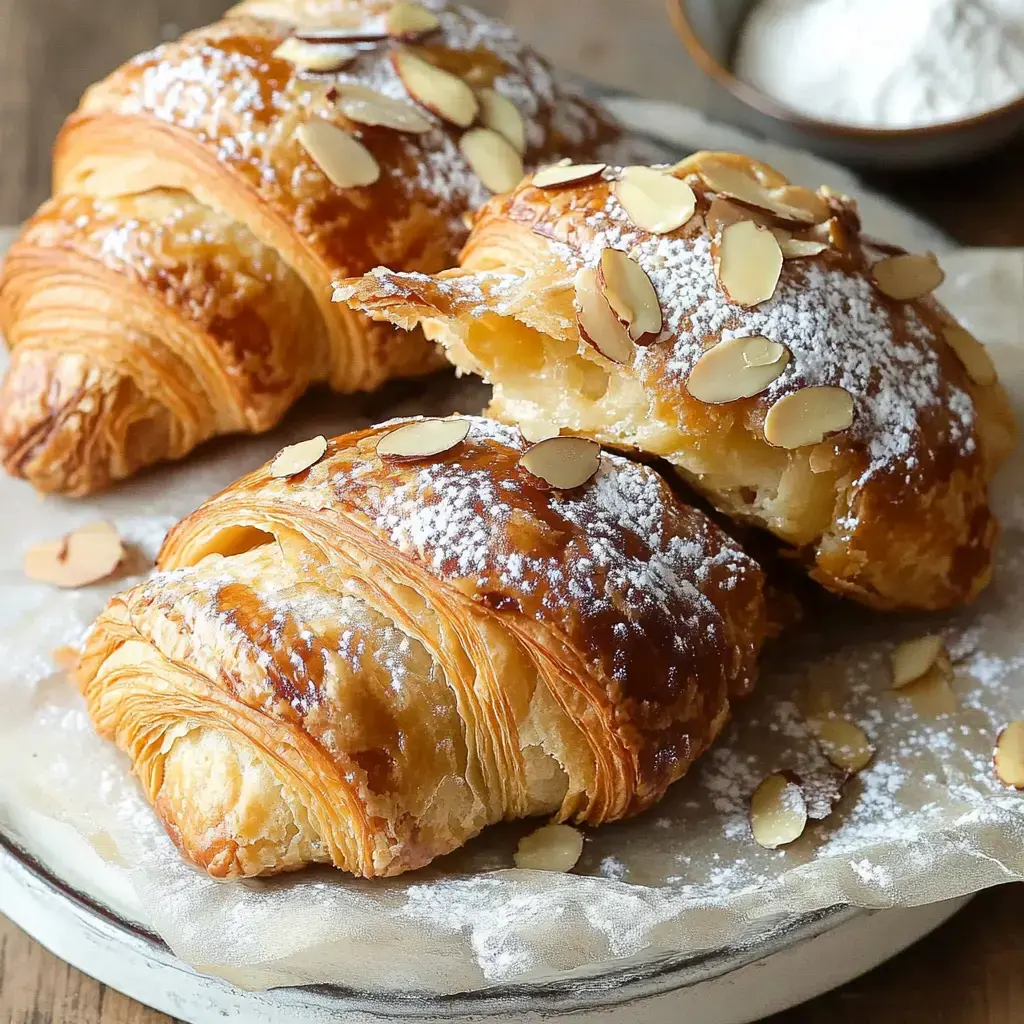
<point>59,891</point>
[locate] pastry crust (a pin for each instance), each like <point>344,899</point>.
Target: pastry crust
<point>892,511</point>
<point>368,662</point>
<point>192,233</point>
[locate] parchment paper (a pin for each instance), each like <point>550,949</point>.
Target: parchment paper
<point>927,821</point>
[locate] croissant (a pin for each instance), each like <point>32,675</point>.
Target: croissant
<point>800,376</point>
<point>177,286</point>
<point>366,660</point>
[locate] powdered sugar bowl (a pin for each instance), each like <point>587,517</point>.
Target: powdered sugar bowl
<point>866,82</point>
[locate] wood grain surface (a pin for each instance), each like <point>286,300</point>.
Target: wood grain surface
<point>972,970</point>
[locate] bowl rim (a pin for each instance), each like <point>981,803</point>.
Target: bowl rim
<point>753,97</point>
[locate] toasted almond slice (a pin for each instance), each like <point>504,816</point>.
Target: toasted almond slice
<point>913,658</point>
<point>367,106</point>
<point>749,263</point>
<point>845,744</point>
<point>631,295</point>
<point>346,162</point>
<point>1009,755</point>
<point>974,356</point>
<point>566,174</point>
<point>84,556</point>
<point>734,184</point>
<point>932,696</point>
<point>654,200</point>
<point>808,416</point>
<point>798,248</point>
<point>908,276</point>
<point>298,457</point>
<point>408,21</point>
<point>315,56</point>
<point>778,812</point>
<point>537,431</point>
<point>438,90</point>
<point>563,462</point>
<point>801,204</point>
<point>501,115</point>
<point>422,439</point>
<point>551,848</point>
<point>598,325</point>
<point>493,159</point>
<point>737,368</point>
<point>370,31</point>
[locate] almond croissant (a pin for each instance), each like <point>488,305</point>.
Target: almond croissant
<point>177,286</point>
<point>368,661</point>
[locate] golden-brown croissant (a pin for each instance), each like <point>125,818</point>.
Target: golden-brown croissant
<point>367,661</point>
<point>802,377</point>
<point>178,285</point>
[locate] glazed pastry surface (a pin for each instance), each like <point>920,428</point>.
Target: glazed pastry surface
<point>366,663</point>
<point>891,510</point>
<point>177,286</point>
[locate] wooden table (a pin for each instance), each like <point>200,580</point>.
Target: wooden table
<point>972,970</point>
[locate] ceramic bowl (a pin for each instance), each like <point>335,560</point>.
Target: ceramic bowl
<point>709,29</point>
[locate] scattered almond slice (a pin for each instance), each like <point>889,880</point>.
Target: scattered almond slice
<point>845,744</point>
<point>367,106</point>
<point>298,457</point>
<point>551,848</point>
<point>1009,755</point>
<point>913,658</point>
<point>655,200</point>
<point>422,439</point>
<point>908,276</point>
<point>749,263</point>
<point>408,21</point>
<point>493,159</point>
<point>734,184</point>
<point>370,31</point>
<point>566,174</point>
<point>808,416</point>
<point>501,115</point>
<point>631,295</point>
<point>308,56</point>
<point>737,368</point>
<point>723,212</point>
<point>598,325</point>
<point>932,695</point>
<point>563,462</point>
<point>438,90</point>
<point>971,353</point>
<point>84,556</point>
<point>798,248</point>
<point>537,431</point>
<point>778,812</point>
<point>800,204</point>
<point>345,161</point>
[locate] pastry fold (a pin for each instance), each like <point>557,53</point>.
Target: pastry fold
<point>178,285</point>
<point>368,662</point>
<point>891,510</point>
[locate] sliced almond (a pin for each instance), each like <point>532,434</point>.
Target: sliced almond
<point>749,263</point>
<point>537,431</point>
<point>298,457</point>
<point>409,21</point>
<point>913,658</point>
<point>436,89</point>
<point>723,212</point>
<point>845,744</point>
<point>631,295</point>
<point>735,369</point>
<point>655,200</point>
<point>598,325</point>
<point>501,115</point>
<point>370,31</point>
<point>778,812</point>
<point>367,106</point>
<point>566,174</point>
<point>551,848</point>
<point>731,182</point>
<point>346,162</point>
<point>974,356</point>
<point>1009,755</point>
<point>798,203</point>
<point>798,248</point>
<point>908,276</point>
<point>563,462</point>
<point>422,439</point>
<point>493,159</point>
<point>808,416</point>
<point>315,56</point>
<point>932,696</point>
<point>84,556</point>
